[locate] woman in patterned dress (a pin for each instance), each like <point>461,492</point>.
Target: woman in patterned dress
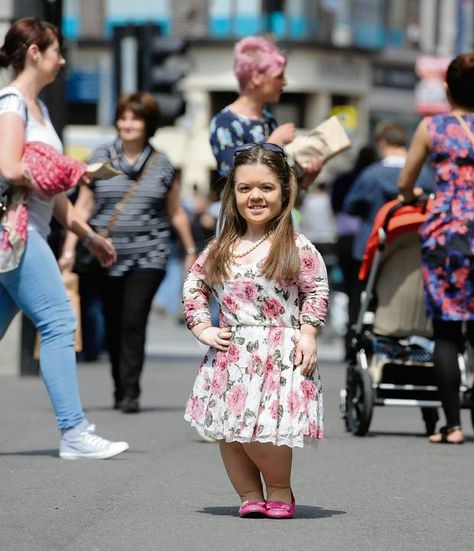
<point>258,390</point>
<point>448,234</point>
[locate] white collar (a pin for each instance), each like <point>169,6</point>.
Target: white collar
<point>396,161</point>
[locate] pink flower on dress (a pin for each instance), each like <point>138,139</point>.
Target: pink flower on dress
<point>221,361</point>
<point>198,268</point>
<point>195,408</point>
<point>219,382</point>
<point>274,409</point>
<point>275,337</point>
<point>308,389</point>
<point>230,303</point>
<point>207,381</point>
<point>233,353</point>
<point>268,365</point>
<point>246,291</point>
<point>255,362</point>
<point>306,283</point>
<point>272,308</point>
<point>308,263</point>
<point>272,382</point>
<point>236,399</point>
<point>313,430</point>
<point>293,403</point>
<point>312,308</point>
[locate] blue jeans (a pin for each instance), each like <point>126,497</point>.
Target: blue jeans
<point>36,287</point>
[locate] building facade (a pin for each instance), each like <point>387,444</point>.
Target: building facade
<point>355,58</point>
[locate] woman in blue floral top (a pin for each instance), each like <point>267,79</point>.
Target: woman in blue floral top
<point>260,70</point>
<point>258,390</point>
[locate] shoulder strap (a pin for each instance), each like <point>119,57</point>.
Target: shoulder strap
<point>120,205</point>
<point>466,128</point>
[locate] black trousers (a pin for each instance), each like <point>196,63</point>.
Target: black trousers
<point>449,341</point>
<point>127,302</point>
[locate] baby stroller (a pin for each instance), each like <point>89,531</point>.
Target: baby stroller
<point>392,344</point>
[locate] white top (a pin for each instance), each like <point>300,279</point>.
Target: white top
<point>39,211</point>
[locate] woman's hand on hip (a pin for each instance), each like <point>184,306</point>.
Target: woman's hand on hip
<point>306,354</point>
<point>216,337</point>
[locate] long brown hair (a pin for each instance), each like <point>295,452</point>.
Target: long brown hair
<point>23,33</point>
<point>282,262</point>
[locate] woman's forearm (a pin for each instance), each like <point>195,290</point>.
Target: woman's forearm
<point>68,216</point>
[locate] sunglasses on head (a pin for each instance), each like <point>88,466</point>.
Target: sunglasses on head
<point>265,145</point>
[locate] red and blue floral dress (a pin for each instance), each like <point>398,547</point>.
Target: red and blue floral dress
<point>253,392</point>
<point>448,233</point>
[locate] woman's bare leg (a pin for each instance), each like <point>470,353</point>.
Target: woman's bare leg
<point>274,462</point>
<point>242,472</point>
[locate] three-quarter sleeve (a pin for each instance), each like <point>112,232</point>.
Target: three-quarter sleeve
<point>312,284</point>
<point>196,294</point>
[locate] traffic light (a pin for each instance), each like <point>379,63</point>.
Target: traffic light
<point>159,70</point>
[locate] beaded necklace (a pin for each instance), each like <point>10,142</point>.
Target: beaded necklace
<point>252,248</point>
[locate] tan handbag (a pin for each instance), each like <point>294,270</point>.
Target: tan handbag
<point>324,141</point>
<point>71,282</point>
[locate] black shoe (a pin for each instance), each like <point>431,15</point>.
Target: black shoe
<point>130,405</point>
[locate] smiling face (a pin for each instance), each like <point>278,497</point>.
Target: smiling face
<point>131,128</point>
<point>258,195</point>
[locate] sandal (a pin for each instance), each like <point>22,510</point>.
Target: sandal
<point>446,435</point>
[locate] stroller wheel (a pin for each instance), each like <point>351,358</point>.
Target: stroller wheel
<point>360,402</point>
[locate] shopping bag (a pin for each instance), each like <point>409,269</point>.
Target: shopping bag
<point>324,141</point>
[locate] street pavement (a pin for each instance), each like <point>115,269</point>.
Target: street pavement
<point>388,491</point>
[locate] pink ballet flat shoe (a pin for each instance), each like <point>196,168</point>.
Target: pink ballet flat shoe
<point>280,509</point>
<point>252,509</point>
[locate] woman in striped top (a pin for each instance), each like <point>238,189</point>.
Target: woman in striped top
<point>140,235</point>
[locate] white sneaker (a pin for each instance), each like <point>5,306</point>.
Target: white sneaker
<point>82,442</point>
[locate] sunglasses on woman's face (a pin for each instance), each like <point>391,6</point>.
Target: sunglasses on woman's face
<point>265,145</point>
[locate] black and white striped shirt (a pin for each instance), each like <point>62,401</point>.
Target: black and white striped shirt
<point>141,234</point>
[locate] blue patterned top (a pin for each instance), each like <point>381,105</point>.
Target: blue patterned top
<point>229,130</point>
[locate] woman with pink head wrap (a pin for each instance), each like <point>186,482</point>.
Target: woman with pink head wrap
<point>259,66</point>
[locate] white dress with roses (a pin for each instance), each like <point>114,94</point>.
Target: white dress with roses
<point>253,392</point>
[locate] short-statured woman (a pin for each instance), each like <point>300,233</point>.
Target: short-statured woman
<point>35,286</point>
<point>141,236</point>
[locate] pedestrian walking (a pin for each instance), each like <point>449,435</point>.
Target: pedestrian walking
<point>375,186</point>
<point>258,390</point>
<point>136,210</point>
<point>34,284</point>
<point>347,228</point>
<point>447,236</point>
<point>260,70</point>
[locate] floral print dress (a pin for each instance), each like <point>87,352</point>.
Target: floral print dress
<point>448,233</point>
<point>253,392</point>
